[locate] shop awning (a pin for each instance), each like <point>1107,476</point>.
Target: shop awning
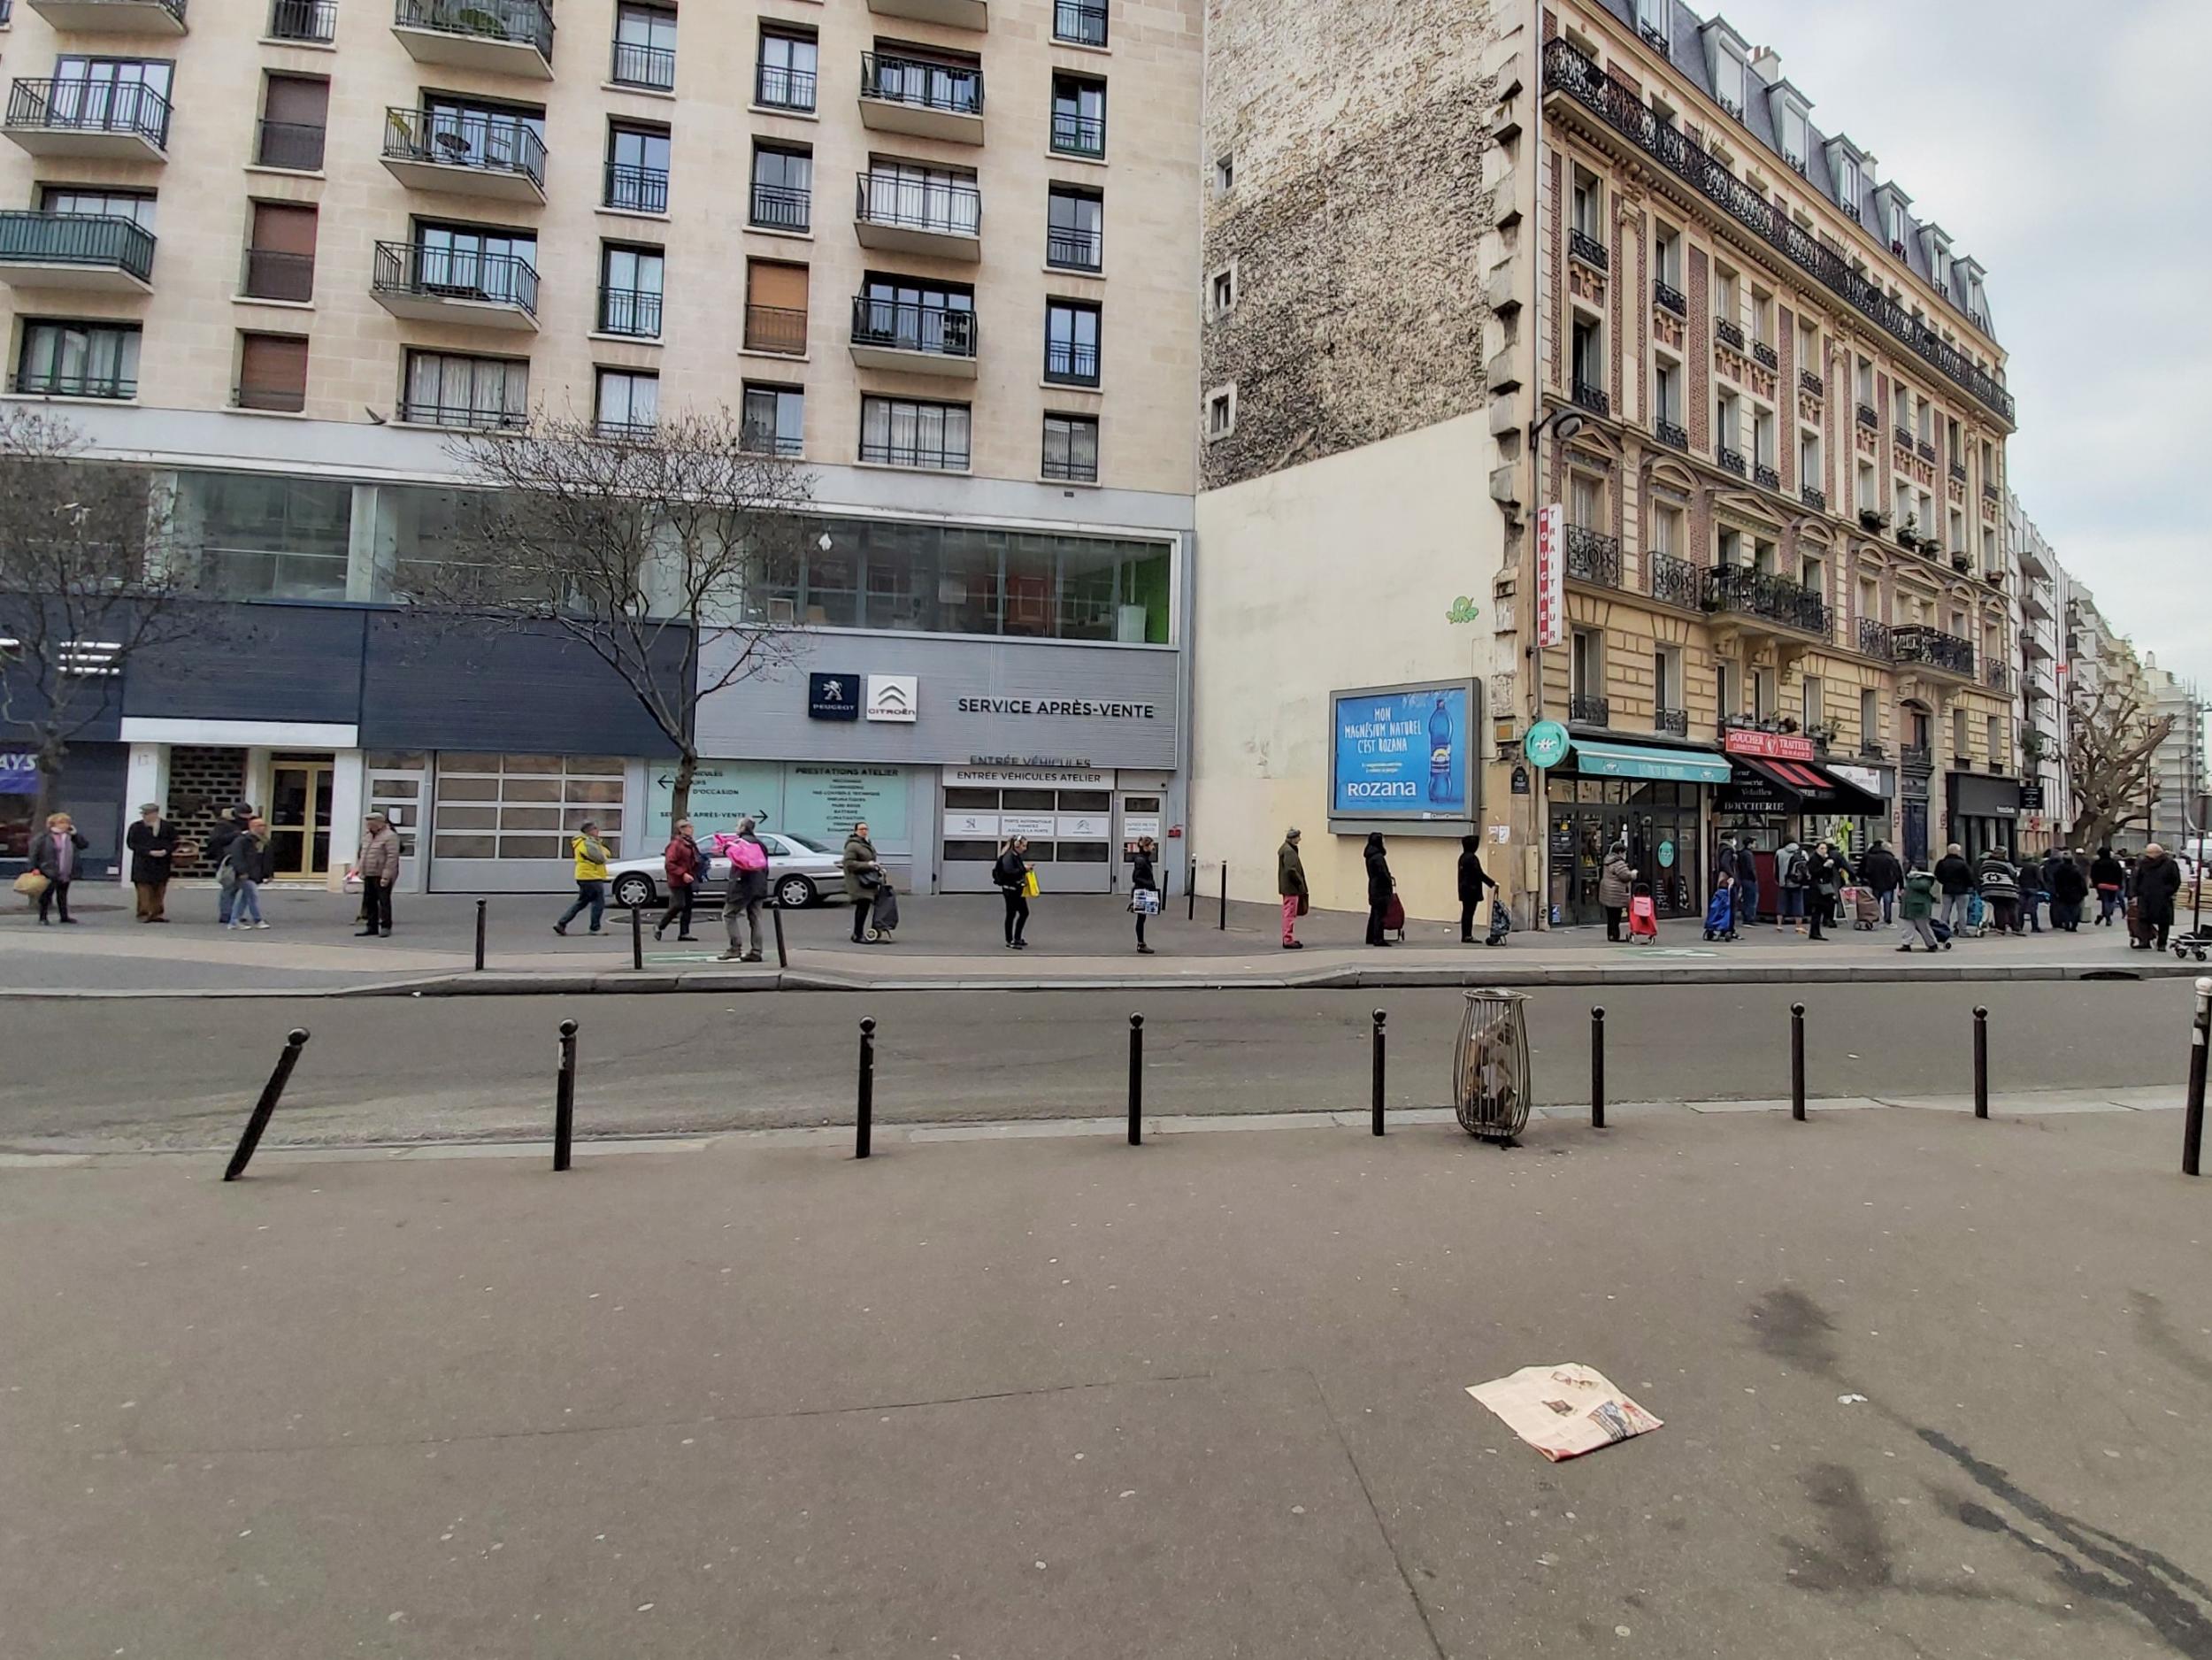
<point>1649,760</point>
<point>1812,786</point>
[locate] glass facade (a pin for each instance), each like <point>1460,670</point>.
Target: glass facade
<point>260,536</point>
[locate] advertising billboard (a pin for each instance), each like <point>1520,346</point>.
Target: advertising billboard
<point>1404,752</point>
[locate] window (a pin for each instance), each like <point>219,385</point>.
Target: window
<point>1725,300</point>
<point>1794,134</point>
<point>1870,496</point>
<point>630,291</point>
<point>1079,116</point>
<point>637,169</point>
<point>477,261</point>
<point>1589,357</point>
<point>295,114</point>
<point>1762,694</point>
<point>1901,513</point>
<point>1588,210</point>
<point>1951,440</point>
<point>909,314</point>
<point>1927,422</point>
<point>1809,346</point>
<point>1960,750</point>
<point>1728,687</point>
<point>1958,542</point>
<point>1071,449</point>
<point>470,133</point>
<point>775,307</point>
<point>1730,543</point>
<point>1587,665</point>
<point>114,94</point>
<point>1731,81</point>
<point>1870,598</point>
<point>1763,556</point>
<point>1667,254</point>
<point>783,188</point>
<point>1082,21</point>
<point>1996,735</point>
<point>1808,473</point>
<point>1584,502</point>
<point>280,252</point>
<point>1870,718</point>
<point>95,202</point>
<point>1864,382</point>
<point>1221,293</point>
<point>1221,413</point>
<point>925,198</point>
<point>447,389</point>
<point>907,433</point>
<point>1075,221</point>
<point>524,806</point>
<point>787,70</point>
<point>1813,709</point>
<point>1927,514</point>
<point>1900,408</point>
<point>1666,394</point>
<point>628,405</point>
<point>1762,317</point>
<point>1666,686</point>
<point>271,372</point>
<point>774,420</point>
<point>1763,438</point>
<point>645,48</point>
<point>1848,186</point>
<point>1071,343</point>
<point>1666,530</point>
<point>1225,174</point>
<point>1727,422</point>
<point>78,359</point>
<point>1652,14</point>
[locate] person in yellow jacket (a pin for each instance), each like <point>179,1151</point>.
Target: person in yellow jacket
<point>591,878</point>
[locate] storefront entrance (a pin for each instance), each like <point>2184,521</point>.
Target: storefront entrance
<point>1067,817</point>
<point>1660,822</point>
<point>299,816</point>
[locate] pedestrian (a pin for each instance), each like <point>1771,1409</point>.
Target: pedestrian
<point>1915,908</point>
<point>1882,875</point>
<point>1144,889</point>
<point>1379,887</point>
<point>747,888</point>
<point>1826,874</point>
<point>590,870</point>
<point>2000,884</point>
<point>1727,867</point>
<point>1472,881</point>
<point>2067,885</point>
<point>246,866</point>
<point>1616,882</point>
<point>2157,882</point>
<point>685,864</point>
<point>864,874</point>
<point>53,855</point>
<point>2030,873</point>
<point>152,844</point>
<point>379,865</point>
<point>218,843</point>
<point>1011,873</point>
<point>2109,878</point>
<point>1744,912</point>
<point>1290,884</point>
<point>1794,870</point>
<point>1955,879</point>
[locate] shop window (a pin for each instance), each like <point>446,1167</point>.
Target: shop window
<point>524,806</point>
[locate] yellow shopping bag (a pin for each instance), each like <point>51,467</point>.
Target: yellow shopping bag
<point>1029,885</point>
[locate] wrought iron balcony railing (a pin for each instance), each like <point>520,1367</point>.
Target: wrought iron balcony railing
<point>654,67</point>
<point>1869,418</point>
<point>904,325</point>
<point>1733,590</point>
<point>482,144</point>
<point>102,241</point>
<point>1587,249</point>
<point>1874,639</point>
<point>632,312</point>
<point>1080,22</point>
<point>636,189</point>
<point>1669,433</point>
<point>315,20</point>
<point>76,105</point>
<point>782,207</point>
<point>1670,298</point>
<point>1674,581</point>
<point>1765,477</point>
<point>428,271</point>
<point>1932,647</point>
<point>1765,355</point>
<point>1813,496</point>
<point>1593,556</point>
<point>1728,332</point>
<point>1589,711</point>
<point>517,22</point>
<point>1674,721</point>
<point>1812,384</point>
<point>777,88</point>
<point>1596,399</point>
<point>1733,461</point>
<point>890,78</point>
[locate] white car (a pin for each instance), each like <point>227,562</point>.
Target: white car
<point>801,871</point>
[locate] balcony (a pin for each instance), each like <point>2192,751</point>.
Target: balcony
<point>1932,649</point>
<point>447,285</point>
<point>1869,418</point>
<point>775,328</point>
<point>1075,134</point>
<point>1917,757</point>
<point>1669,298</point>
<point>1870,750</point>
<point>912,339</point>
<point>1926,451</point>
<point>1813,496</point>
<point>924,100</point>
<point>1765,477</point>
<point>778,86</point>
<point>1673,722</point>
<point>953,14</point>
<point>1668,432</point>
<point>1589,711</point>
<point>271,275</point>
<point>113,16</point>
<point>1079,22</point>
<point>1675,582</point>
<point>293,146</point>
<point>102,121</point>
<point>654,68</point>
<point>1593,556</point>
<point>635,189</point>
<point>466,155</point>
<point>1992,495</point>
<point>496,37</point>
<point>1874,641</point>
<point>1758,597</point>
<point>1958,472</point>
<point>1588,249</point>
<point>1810,384</point>
<point>1728,332</point>
<point>1902,437</point>
<point>315,21</point>
<point>1765,356</point>
<point>945,221</point>
<point>781,207</point>
<point>1628,121</point>
<point>82,253</point>
<point>1074,247</point>
<point>635,313</point>
<point>1733,461</point>
<point>1594,398</point>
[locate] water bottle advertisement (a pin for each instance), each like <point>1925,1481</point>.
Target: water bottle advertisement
<point>1404,752</point>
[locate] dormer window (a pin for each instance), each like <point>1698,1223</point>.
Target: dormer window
<point>1794,129</point>
<point>1729,82</point>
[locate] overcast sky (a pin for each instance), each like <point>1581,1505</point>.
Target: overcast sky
<point>2062,145</point>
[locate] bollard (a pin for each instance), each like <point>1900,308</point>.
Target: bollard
<point>783,956</point>
<point>1136,1081</point>
<point>637,937</point>
<point>273,1092</point>
<point>864,1113</point>
<point>1225,895</point>
<point>1797,1062</point>
<point>1190,889</point>
<point>1380,1019</point>
<point>2192,1120</point>
<point>1981,1063</point>
<point>479,933</point>
<point>1597,1069</point>
<point>564,1098</point>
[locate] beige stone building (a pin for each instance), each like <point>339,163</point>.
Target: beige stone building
<point>942,251</point>
<point>1483,258</point>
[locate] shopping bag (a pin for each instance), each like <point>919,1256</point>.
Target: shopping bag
<point>31,883</point>
<point>1145,902</point>
<point>1029,885</point>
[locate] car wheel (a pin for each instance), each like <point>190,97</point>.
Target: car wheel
<point>634,892</point>
<point>794,892</point>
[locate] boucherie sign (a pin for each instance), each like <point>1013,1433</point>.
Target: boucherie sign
<point>1776,746</point>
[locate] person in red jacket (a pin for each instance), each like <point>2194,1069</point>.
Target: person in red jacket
<point>686,867</point>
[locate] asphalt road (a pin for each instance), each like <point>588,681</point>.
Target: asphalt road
<point>183,1074</point>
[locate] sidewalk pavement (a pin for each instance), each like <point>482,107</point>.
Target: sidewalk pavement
<point>1068,1397</point>
<point>944,942</point>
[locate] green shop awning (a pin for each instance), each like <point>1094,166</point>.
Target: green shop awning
<point>1645,760</point>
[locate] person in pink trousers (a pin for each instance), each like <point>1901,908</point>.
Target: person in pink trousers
<point>1290,882</point>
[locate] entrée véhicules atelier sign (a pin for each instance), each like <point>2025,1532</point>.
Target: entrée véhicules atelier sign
<point>1073,708</point>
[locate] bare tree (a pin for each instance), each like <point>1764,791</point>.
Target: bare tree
<point>88,583</point>
<point>635,543</point>
<point>2111,743</point>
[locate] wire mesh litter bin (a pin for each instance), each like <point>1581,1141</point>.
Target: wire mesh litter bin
<point>1490,1070</point>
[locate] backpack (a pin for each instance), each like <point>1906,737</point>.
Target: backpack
<point>1800,872</point>
<point>748,855</point>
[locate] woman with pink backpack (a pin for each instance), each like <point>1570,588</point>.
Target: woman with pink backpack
<point>748,889</point>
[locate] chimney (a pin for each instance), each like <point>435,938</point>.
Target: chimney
<point>1869,168</point>
<point>1766,63</point>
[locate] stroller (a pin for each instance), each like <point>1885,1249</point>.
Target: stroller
<point>1720,914</point>
<point>1643,917</point>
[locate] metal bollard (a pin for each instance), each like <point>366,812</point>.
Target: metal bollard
<point>637,937</point>
<point>1225,895</point>
<point>1136,1081</point>
<point>783,956</point>
<point>864,1111</point>
<point>564,1098</point>
<point>480,905</point>
<point>1190,889</point>
<point>1597,1069</point>
<point>1797,1062</point>
<point>1379,1018</point>
<point>1981,1063</point>
<point>2193,1120</point>
<point>273,1092</point>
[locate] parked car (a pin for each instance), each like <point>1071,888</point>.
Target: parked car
<point>802,872</point>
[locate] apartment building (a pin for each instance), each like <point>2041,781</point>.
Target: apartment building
<point>2177,779</point>
<point>2039,584</point>
<point>2102,673</point>
<point>942,252</point>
